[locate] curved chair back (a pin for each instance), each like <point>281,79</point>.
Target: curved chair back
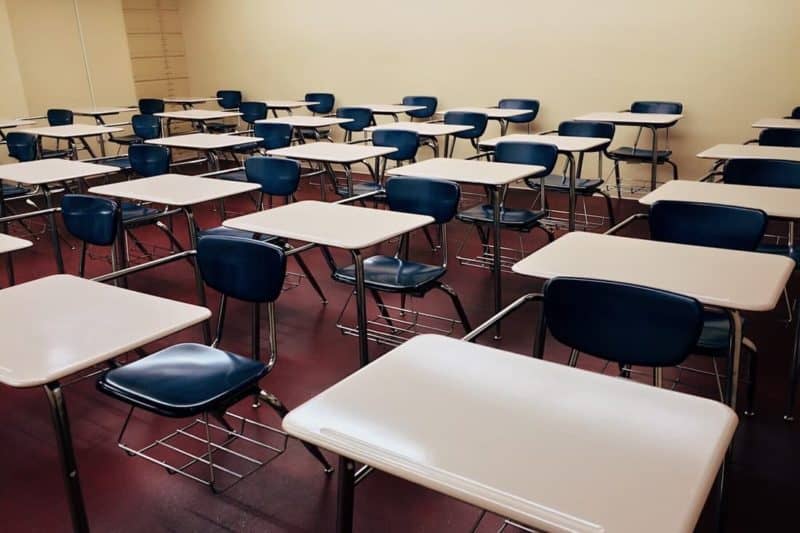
<point>478,122</point>
<point>277,176</point>
<point>21,145</point>
<point>628,324</point>
<point>649,106</point>
<point>525,153</point>
<point>520,103</point>
<point>242,268</point>
<point>252,111</point>
<point>779,137</point>
<point>711,225</point>
<point>324,103</point>
<point>91,219</point>
<point>361,117</point>
<point>762,173</point>
<point>406,142</point>
<point>60,117</point>
<point>146,126</point>
<point>229,99</point>
<point>149,106</point>
<point>423,196</point>
<point>275,134</point>
<point>149,159</point>
<point>796,112</point>
<point>430,103</point>
<point>580,128</point>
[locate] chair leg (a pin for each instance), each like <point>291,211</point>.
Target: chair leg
<point>618,177</point>
<point>382,307</point>
<point>674,169</point>
<point>573,358</point>
<point>611,218</point>
<point>429,238</point>
<point>749,409</point>
<point>462,315</point>
<point>550,235</point>
<point>794,374</point>
<point>311,279</point>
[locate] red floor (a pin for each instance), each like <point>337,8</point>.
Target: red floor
<point>291,493</point>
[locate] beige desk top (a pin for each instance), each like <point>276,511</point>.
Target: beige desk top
<point>190,99</point>
<point>306,121</point>
<point>205,141</point>
<point>337,225</point>
<point>750,151</point>
<point>632,119</point>
<point>426,129</point>
<point>288,104</point>
<point>539,442</point>
<point>774,201</point>
<point>42,171</point>
<point>198,114</point>
<point>564,143</point>
<point>494,113</point>
<point>467,171</point>
<point>174,189</point>
<point>780,123</point>
<point>391,109</point>
<point>71,131</point>
<point>746,281</point>
<point>58,325</point>
<point>332,152</point>
<point>15,122</point>
<point>100,111</point>
<point>9,243</point>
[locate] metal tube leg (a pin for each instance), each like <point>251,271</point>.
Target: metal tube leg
<point>794,372</point>
<point>735,353</point>
<point>498,297</point>
<point>721,494</point>
<point>199,287</point>
<point>58,411</point>
<point>48,200</point>
<point>541,335</point>
<point>310,277</point>
<point>361,309</point>
<point>346,495</point>
<point>10,269</point>
<point>572,194</point>
<point>654,162</point>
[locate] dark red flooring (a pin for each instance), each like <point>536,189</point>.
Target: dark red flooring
<point>292,494</point>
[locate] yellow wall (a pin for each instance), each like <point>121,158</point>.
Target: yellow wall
<point>728,61</point>
<point>13,103</point>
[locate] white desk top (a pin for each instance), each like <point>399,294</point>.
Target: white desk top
<point>774,201</point>
<point>15,122</point>
<point>100,111</point>
<point>9,243</point>
<point>306,121</point>
<point>467,171</point>
<point>44,171</point>
<point>205,141</point>
<point>750,151</point>
<point>332,152</point>
<point>747,281</point>
<point>564,143</point>
<point>174,189</point>
<point>632,119</point>
<point>337,225</point>
<point>780,123</point>
<point>71,131</point>
<point>494,113</point>
<point>198,114</point>
<point>426,129</point>
<point>287,104</point>
<point>58,325</point>
<point>535,441</point>
<point>190,99</point>
<point>391,109</point>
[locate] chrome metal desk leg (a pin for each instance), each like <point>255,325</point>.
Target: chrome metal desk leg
<point>361,309</point>
<point>48,200</point>
<point>497,195</point>
<point>345,498</point>
<point>735,354</point>
<point>654,162</point>
<point>198,279</point>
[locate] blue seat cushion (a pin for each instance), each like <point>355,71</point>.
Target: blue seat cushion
<point>309,133</point>
<point>131,211</point>
<point>126,139</point>
<point>780,249</point>
<point>53,154</point>
<point>517,219</point>
<point>231,232</point>
<point>391,274</point>
<point>184,380</point>
<point>629,152</point>
<point>561,183</point>
<point>714,338</point>
<point>238,175</point>
<point>10,191</point>
<point>121,162</point>
<point>359,187</point>
<point>220,127</point>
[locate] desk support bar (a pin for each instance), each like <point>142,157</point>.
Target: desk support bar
<point>615,229</point>
<point>359,197</point>
<point>516,304</point>
<point>144,266</point>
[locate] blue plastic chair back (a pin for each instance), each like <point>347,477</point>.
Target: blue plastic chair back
<point>712,225</point>
<point>406,142</point>
<point>91,219</point>
<point>667,108</point>
<point>277,176</point>
<point>520,103</point>
<point>525,153</point>
<point>324,103</point>
<point>149,159</point>
<point>21,146</point>
<point>275,134</point>
<point>430,103</point>
<point>628,324</point>
<point>242,268</point>
<point>779,137</point>
<point>252,111</point>
<point>762,173</point>
<point>796,112</point>
<point>478,122</point>
<point>60,117</point>
<point>580,128</point>
<point>229,99</point>
<point>361,117</point>
<point>146,126</point>
<point>423,196</point>
<point>149,106</point>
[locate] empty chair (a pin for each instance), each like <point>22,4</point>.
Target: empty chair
<point>144,127</point>
<point>252,111</point>
<point>150,106</point>
<point>22,146</point>
<point>273,134</point>
<point>795,112</point>
<point>430,103</point>
<point>521,103</point>
<point>92,220</point>
<point>229,100</point>
<point>779,137</point>
<point>149,159</point>
<point>478,121</point>
<point>200,382</point>
<point>60,117</point>
<point>361,117</point>
<point>324,103</point>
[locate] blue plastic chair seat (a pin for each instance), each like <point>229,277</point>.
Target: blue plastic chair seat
<point>231,232</point>
<point>310,133</point>
<point>127,139</point>
<point>11,191</point>
<point>53,154</point>
<point>518,219</point>
<point>714,339</point>
<point>391,274</point>
<point>780,249</point>
<point>629,152</point>
<point>220,127</point>
<point>561,183</point>
<point>359,187</point>
<point>132,211</point>
<point>246,148</point>
<point>121,162</point>
<point>184,380</point>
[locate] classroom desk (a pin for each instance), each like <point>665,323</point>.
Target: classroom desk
<point>546,445</point>
<point>329,154</point>
<point>7,123</point>
<point>188,102</point>
<point>70,132</point>
<point>500,114</point>
<point>716,277</point>
<point>778,123</point>
<point>199,116</point>
<point>340,226</point>
<point>651,121</point>
<point>428,131</point>
<point>8,244</point>
<point>726,152</point>
<point>60,325</point>
<point>97,113</point>
<point>306,122</point>
<point>45,172</point>
<point>492,175</point>
<point>285,105</point>
<point>392,110</point>
<point>210,143</point>
<point>566,145</point>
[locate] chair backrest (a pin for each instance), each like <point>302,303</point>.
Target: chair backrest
<point>60,117</point>
<point>779,137</point>
<point>430,103</point>
<point>275,134</point>
<point>149,159</point>
<point>478,122</point>
<point>796,112</point>
<point>242,268</point>
<point>91,219</point>
<point>712,225</point>
<point>628,324</point>
<point>406,142</point>
<point>361,117</point>
<point>146,126</point>
<point>762,173</point>
<point>520,103</point>
<point>525,153</point>
<point>229,99</point>
<point>252,111</point>
<point>423,196</point>
<point>277,176</point>
<point>588,128</point>
<point>650,106</point>
<point>324,105</point>
<point>21,146</point>
<point>149,106</point>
